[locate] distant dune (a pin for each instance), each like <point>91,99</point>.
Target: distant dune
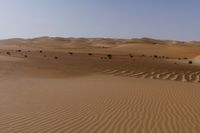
<point>139,46</point>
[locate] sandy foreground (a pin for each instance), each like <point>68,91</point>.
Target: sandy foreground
<point>50,91</point>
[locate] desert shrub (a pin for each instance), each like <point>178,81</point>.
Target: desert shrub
<point>41,51</point>
<point>190,62</point>
<point>130,55</point>
<point>155,56</point>
<point>70,53</point>
<point>90,54</point>
<point>185,58</point>
<point>8,53</point>
<point>56,57</point>
<point>19,50</point>
<point>109,56</point>
<point>25,56</point>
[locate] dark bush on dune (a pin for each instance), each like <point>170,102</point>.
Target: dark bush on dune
<point>56,57</point>
<point>155,56</point>
<point>190,62</point>
<point>19,50</point>
<point>8,53</point>
<point>70,53</point>
<point>25,56</point>
<point>90,54</point>
<point>109,56</point>
<point>130,55</point>
<point>41,51</point>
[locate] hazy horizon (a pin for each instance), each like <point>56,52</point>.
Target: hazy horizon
<point>168,20</point>
<point>77,37</point>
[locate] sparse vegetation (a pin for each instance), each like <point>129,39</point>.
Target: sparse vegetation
<point>8,53</point>
<point>109,56</point>
<point>90,54</point>
<point>130,55</point>
<point>19,50</point>
<point>25,56</point>
<point>55,57</point>
<point>155,56</point>
<point>190,62</point>
<point>41,51</point>
<point>70,53</point>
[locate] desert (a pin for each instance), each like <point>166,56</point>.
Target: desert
<point>99,85</point>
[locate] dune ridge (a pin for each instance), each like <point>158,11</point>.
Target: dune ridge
<point>145,46</point>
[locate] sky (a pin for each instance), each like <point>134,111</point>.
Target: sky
<point>160,19</point>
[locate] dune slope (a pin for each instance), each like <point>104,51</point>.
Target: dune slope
<point>82,89</point>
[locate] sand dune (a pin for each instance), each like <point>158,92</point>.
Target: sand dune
<point>197,60</point>
<point>139,67</point>
<point>146,46</point>
<point>48,86</point>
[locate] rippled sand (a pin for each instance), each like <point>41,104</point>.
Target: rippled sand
<point>98,104</point>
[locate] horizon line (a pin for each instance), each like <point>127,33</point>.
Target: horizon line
<point>84,37</point>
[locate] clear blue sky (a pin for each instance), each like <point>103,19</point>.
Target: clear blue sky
<point>163,19</point>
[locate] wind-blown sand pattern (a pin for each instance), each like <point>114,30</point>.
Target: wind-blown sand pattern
<point>57,91</point>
